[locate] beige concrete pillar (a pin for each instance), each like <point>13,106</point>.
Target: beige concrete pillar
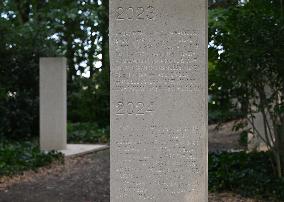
<point>53,106</point>
<point>158,101</point>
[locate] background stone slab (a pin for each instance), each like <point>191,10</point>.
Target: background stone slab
<point>53,103</point>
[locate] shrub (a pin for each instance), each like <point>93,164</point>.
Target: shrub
<point>16,157</point>
<point>248,174</point>
<point>221,116</point>
<point>87,133</point>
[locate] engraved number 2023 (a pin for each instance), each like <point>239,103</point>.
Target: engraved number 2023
<point>131,108</point>
<point>135,13</point>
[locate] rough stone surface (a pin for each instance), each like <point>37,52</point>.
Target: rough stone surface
<point>53,112</point>
<point>158,53</point>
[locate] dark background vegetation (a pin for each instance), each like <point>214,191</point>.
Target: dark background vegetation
<point>246,76</point>
<point>29,30</point>
<point>246,54</point>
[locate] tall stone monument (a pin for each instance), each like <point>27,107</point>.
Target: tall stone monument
<point>53,118</point>
<point>158,51</point>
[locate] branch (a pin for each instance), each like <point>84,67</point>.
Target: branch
<point>269,130</point>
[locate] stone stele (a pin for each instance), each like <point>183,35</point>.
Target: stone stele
<point>53,118</point>
<point>158,104</point>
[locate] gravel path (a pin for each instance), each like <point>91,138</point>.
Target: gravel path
<point>83,179</point>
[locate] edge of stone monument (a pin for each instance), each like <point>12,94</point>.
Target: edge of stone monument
<point>48,140</point>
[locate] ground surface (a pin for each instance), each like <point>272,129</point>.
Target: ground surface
<point>86,179</point>
<point>223,138</point>
<point>83,179</point>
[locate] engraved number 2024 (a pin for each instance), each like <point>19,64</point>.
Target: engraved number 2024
<point>132,13</point>
<point>131,108</point>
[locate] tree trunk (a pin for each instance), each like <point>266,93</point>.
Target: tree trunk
<point>281,144</point>
<point>91,54</point>
<point>278,163</point>
<point>23,9</point>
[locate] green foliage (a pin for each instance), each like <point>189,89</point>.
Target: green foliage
<point>87,133</point>
<point>222,116</point>
<point>221,107</point>
<point>243,141</point>
<point>248,174</point>
<point>89,101</point>
<point>246,53</point>
<point>16,157</point>
<point>33,29</point>
<point>21,45</point>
